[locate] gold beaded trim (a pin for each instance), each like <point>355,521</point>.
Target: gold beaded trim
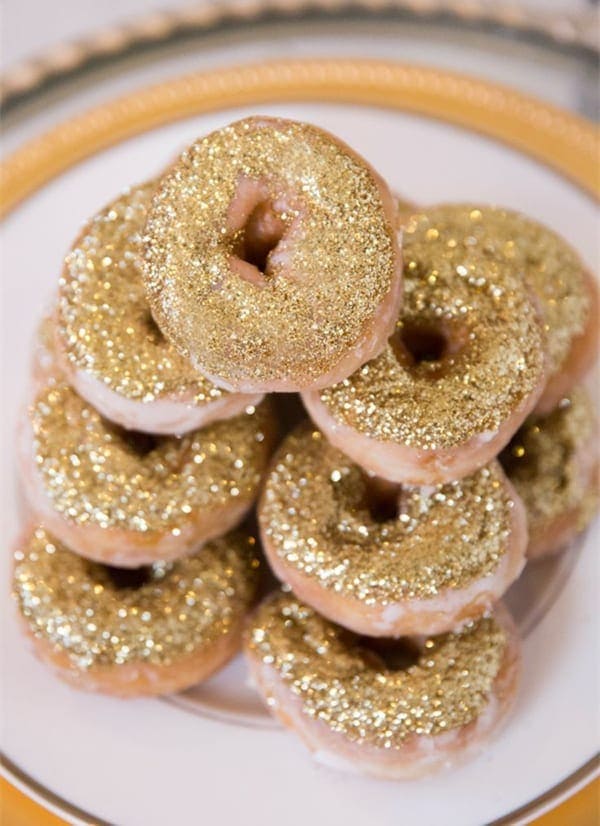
<point>576,29</point>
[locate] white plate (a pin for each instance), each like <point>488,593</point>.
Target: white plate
<point>212,754</point>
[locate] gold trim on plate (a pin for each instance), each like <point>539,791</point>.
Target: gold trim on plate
<point>42,795</point>
<point>561,140</point>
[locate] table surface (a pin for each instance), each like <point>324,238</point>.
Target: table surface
<point>16,809</point>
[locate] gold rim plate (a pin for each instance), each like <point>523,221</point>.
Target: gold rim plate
<point>553,137</point>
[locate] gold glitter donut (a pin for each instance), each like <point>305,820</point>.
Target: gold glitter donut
<point>127,498</point>
<point>383,560</point>
<point>553,463</point>
<point>272,258</point>
<point>566,291</point>
<point>396,710</point>
<point>111,350</point>
<point>463,370</point>
<point>134,633</point>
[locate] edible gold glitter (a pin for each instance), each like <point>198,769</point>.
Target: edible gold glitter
<point>104,321</point>
<point>339,683</point>
<point>96,473</point>
<point>324,281</point>
<point>544,461</point>
<point>454,283</point>
<point>555,273</point>
<point>315,512</point>
<point>78,607</point>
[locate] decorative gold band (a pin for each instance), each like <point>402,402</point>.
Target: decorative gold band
<point>561,140</point>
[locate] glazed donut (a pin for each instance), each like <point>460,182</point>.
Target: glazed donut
<point>358,706</point>
<point>464,368</point>
<point>111,350</point>
<point>567,293</point>
<point>271,257</point>
<point>553,463</point>
<point>391,561</point>
<point>565,290</point>
<point>129,499</point>
<point>133,633</point>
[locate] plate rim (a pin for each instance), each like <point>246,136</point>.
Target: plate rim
<point>565,142</point>
<point>56,804</point>
<point>555,138</point>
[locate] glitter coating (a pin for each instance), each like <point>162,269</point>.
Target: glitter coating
<point>544,463</point>
<point>75,605</point>
<point>315,513</point>
<point>453,282</point>
<point>323,282</point>
<point>555,273</point>
<point>340,683</point>
<point>104,321</point>
<point>96,473</point>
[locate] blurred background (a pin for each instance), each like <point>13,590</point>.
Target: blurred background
<point>59,56</point>
<point>31,26</point>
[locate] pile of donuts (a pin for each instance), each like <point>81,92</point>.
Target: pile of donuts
<point>439,353</point>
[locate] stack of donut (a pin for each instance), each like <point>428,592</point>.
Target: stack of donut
<point>439,354</point>
<point>133,576</point>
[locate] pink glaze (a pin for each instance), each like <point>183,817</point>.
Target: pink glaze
<point>166,416</point>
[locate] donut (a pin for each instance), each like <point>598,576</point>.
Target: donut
<point>132,633</point>
<point>567,293</point>
<point>127,498</point>
<point>111,349</point>
<point>553,463</point>
<point>383,560</point>
<point>272,257</point>
<point>463,369</point>
<point>399,710</point>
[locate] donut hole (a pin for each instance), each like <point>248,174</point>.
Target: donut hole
<point>381,499</point>
<point>514,456</point>
<point>388,654</point>
<point>261,233</point>
<point>141,443</point>
<point>424,342</point>
<point>138,443</point>
<point>128,578</point>
<point>429,344</point>
<point>152,329</point>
